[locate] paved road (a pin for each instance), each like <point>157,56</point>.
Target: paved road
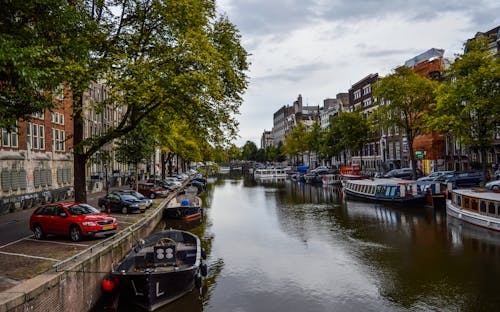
<point>15,225</point>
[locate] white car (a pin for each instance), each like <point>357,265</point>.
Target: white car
<point>493,185</point>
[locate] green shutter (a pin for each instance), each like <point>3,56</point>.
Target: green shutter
<point>13,180</point>
<point>5,180</point>
<point>21,177</point>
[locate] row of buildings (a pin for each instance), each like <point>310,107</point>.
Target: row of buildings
<point>36,159</point>
<point>434,151</point>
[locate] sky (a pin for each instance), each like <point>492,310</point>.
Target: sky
<point>319,48</point>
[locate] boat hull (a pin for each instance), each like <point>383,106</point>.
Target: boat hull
<point>397,200</point>
<point>472,217</point>
<point>153,290</point>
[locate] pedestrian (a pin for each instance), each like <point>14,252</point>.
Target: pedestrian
<point>129,181</point>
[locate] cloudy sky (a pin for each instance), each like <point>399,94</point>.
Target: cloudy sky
<point>319,48</point>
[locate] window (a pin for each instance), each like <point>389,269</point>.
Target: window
<point>367,89</point>
<point>9,138</point>
<point>357,94</point>
<point>5,138</point>
<point>41,133</point>
<point>367,102</point>
<point>28,135</point>
<point>491,208</point>
<point>35,136</point>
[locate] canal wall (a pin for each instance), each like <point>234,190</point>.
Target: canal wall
<point>75,283</point>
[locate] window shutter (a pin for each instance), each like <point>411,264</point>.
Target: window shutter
<point>5,180</point>
<point>22,179</point>
<point>43,177</point>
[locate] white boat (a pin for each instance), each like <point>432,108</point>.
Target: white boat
<point>478,207</point>
<point>270,173</point>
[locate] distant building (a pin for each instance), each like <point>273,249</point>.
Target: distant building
<point>430,64</point>
<point>266,139</point>
<point>494,35</point>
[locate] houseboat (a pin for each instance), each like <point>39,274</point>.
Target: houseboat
<point>476,206</point>
<point>385,190</point>
<point>160,268</point>
<point>270,173</point>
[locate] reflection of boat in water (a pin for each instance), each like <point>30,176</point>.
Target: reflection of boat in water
<point>160,269</point>
<point>184,207</point>
<point>385,190</point>
<point>478,207</point>
<point>466,235</point>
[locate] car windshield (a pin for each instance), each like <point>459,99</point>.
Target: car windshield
<point>82,209</point>
<point>137,195</point>
<point>128,197</point>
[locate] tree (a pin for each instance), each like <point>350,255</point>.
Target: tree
<point>314,139</point>
<point>404,98</point>
<point>353,130</point>
<point>41,43</point>
<point>249,151</point>
<point>468,102</point>
<point>296,142</point>
<point>136,147</point>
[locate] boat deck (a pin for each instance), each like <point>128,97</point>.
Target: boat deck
<point>144,260</point>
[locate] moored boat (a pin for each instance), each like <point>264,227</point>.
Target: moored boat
<point>184,207</point>
<point>475,206</point>
<point>160,269</point>
<point>270,173</point>
<point>385,190</point>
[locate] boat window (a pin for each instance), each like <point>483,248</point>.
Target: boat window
<point>482,206</point>
<point>491,208</point>
<point>393,191</point>
<point>467,202</point>
<point>388,191</point>
<point>459,201</point>
<point>474,205</point>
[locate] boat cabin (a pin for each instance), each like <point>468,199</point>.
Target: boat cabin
<point>487,204</point>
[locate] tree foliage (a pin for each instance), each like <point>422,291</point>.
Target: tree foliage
<point>404,98</point>
<point>296,142</point>
<point>349,130</point>
<point>468,103</point>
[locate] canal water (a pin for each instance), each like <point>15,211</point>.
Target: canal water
<point>288,246</point>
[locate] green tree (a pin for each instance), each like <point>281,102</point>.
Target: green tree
<point>233,152</point>
<point>314,139</point>
<point>404,98</point>
<point>136,146</point>
<point>468,103</point>
<point>249,151</point>
<point>36,40</point>
<point>352,130</point>
<point>296,142</point>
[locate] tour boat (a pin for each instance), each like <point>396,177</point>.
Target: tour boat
<point>185,207</point>
<point>385,190</point>
<point>270,173</point>
<point>160,269</point>
<point>476,206</point>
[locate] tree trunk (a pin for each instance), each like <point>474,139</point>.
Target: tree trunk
<point>163,162</point>
<point>79,157</point>
<point>484,165</point>
<point>413,161</point>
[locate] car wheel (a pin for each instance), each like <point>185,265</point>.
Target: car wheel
<point>75,233</point>
<point>38,232</point>
<point>152,195</point>
<point>124,210</point>
<point>495,187</point>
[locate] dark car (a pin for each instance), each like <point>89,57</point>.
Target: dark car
<point>462,178</point>
<point>76,220</point>
<point>434,175</point>
<point>152,190</point>
<point>122,202</point>
<point>402,173</point>
<point>316,175</point>
<point>149,202</point>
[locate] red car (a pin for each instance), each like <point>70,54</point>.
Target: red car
<point>76,220</point>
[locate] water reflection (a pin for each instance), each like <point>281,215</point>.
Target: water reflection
<point>287,246</point>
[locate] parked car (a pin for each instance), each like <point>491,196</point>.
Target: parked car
<point>434,175</point>
<point>493,185</point>
<point>151,190</point>
<point>402,173</point>
<point>149,202</point>
<point>462,178</point>
<point>124,203</point>
<point>496,175</point>
<point>76,220</point>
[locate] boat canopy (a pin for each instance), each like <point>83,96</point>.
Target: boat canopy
<point>302,168</point>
